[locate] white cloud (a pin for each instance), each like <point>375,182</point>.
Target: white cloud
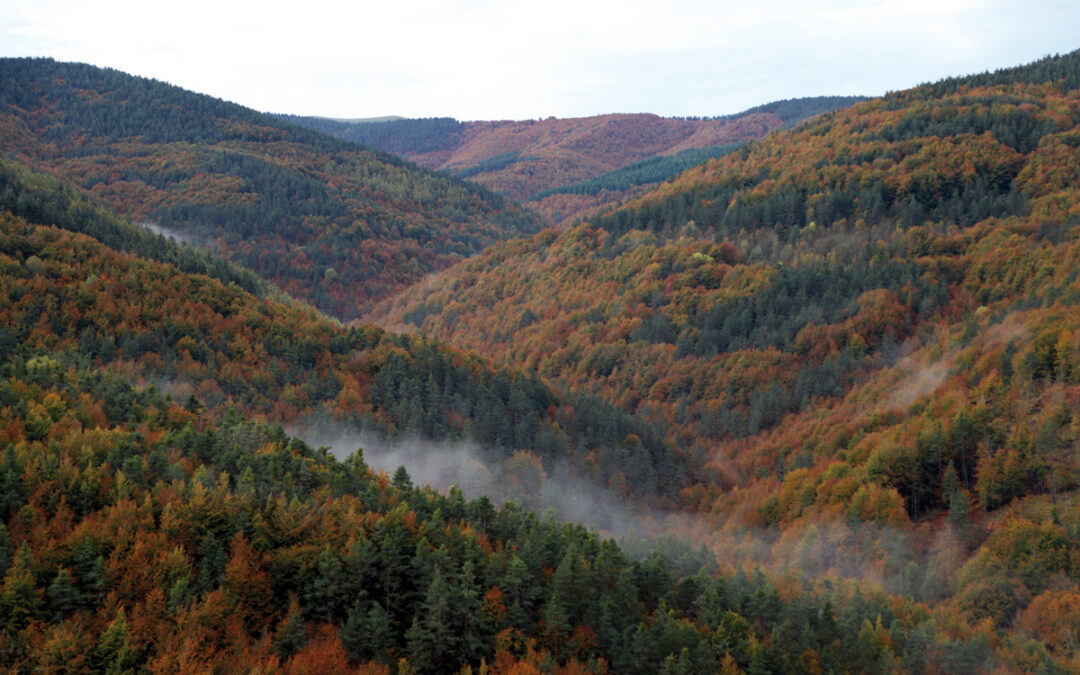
<point>488,59</point>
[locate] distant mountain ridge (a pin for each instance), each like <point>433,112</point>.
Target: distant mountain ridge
<point>533,160</point>
<point>328,221</point>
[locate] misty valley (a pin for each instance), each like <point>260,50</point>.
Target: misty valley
<point>791,390</point>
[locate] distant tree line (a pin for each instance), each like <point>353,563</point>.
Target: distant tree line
<point>1063,69</point>
<point>792,110</point>
<point>652,170</point>
<point>494,163</point>
<point>397,136</point>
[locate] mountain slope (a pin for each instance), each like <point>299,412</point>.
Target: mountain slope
<point>541,162</point>
<point>747,251</point>
<point>919,517</point>
<point>865,330</point>
<point>43,199</point>
<point>139,532</point>
<point>329,222</point>
<point>68,294</point>
<point>136,533</point>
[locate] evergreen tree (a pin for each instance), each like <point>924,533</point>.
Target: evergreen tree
<point>292,632</point>
<point>395,578</point>
<point>401,480</point>
<point>470,623</point>
<point>353,634</point>
<point>418,641</point>
<point>323,597</point>
<point>20,598</point>
<point>115,653</point>
<point>433,642</point>
<point>381,637</point>
<point>212,562</point>
<point>5,545</point>
<point>358,570</point>
<point>960,512</point>
<point>556,624</point>
<point>64,597</point>
<point>180,594</point>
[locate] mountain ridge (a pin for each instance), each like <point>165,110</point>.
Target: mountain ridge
<point>526,158</point>
<point>328,221</point>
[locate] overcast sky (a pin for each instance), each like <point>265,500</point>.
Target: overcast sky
<point>505,59</point>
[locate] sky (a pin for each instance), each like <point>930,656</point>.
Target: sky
<point>505,59</point>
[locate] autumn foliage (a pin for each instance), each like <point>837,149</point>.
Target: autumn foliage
<point>876,377</point>
<point>844,362</point>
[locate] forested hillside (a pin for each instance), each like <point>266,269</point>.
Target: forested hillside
<point>329,222</point>
<point>843,361</point>
<point>564,168</point>
<point>865,329</point>
<point>154,515</point>
<point>405,136</point>
<point>142,535</point>
<point>288,364</point>
<point>40,198</point>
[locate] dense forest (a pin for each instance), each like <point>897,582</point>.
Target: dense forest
<point>794,110</point>
<point>401,137</point>
<point>565,168</point>
<point>864,329</point>
<point>41,198</point>
<point>833,374</point>
<point>329,222</point>
<point>286,363</point>
<point>175,525</point>
<point>652,170</point>
<point>145,536</point>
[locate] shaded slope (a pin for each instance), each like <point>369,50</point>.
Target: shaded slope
<point>329,222</point>
<point>41,198</point>
<point>68,294</point>
<point>867,329</point>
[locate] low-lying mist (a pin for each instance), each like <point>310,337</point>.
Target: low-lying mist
<point>168,232</point>
<point>478,471</point>
<point>907,561</point>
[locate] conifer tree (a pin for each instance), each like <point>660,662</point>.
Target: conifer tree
<point>380,633</point>
<point>353,634</point>
<point>115,653</point>
<point>20,598</point>
<point>64,597</point>
<point>212,562</point>
<point>323,596</point>
<point>292,632</point>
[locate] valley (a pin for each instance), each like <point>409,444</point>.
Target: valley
<point>815,398</point>
<point>565,169</point>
